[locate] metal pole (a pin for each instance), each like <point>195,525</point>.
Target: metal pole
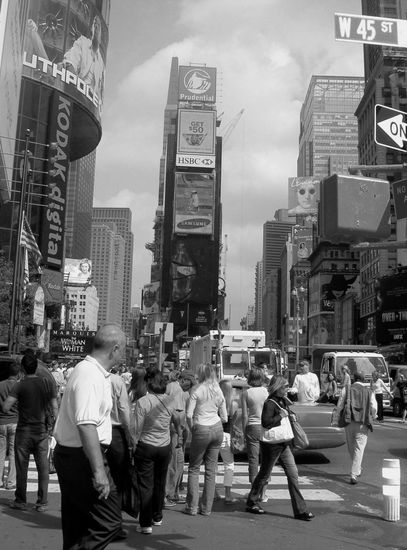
<point>297,354</point>
<point>13,343</point>
<point>187,331</point>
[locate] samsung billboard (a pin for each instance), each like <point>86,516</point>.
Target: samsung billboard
<point>194,203</point>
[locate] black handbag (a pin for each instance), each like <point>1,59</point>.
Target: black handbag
<point>300,440</point>
<point>130,496</point>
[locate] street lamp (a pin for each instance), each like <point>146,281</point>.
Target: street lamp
<point>297,294</point>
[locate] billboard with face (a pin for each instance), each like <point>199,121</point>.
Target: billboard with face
<point>196,132</point>
<point>303,194</point>
<point>78,271</point>
<point>65,45</point>
<point>197,84</point>
<point>151,298</point>
<point>194,203</point>
<point>302,238</point>
<point>193,270</point>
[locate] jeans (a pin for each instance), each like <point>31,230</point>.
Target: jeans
<point>118,459</point>
<point>228,460</point>
<point>271,453</point>
<point>175,468</point>
<point>379,400</point>
<point>253,435</point>
<point>205,445</point>
<point>7,436</point>
<point>151,464</point>
<point>31,440</point>
<point>356,438</point>
<point>88,523</point>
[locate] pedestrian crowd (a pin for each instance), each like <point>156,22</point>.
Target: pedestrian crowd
<point>117,438</point>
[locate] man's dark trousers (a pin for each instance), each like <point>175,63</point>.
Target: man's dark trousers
<point>87,522</point>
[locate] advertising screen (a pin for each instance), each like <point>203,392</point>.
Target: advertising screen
<point>197,84</point>
<point>193,270</point>
<point>78,271</point>
<point>65,45</point>
<point>194,203</point>
<point>302,238</point>
<point>303,194</point>
<point>10,81</point>
<point>151,298</point>
<point>391,309</point>
<point>196,132</point>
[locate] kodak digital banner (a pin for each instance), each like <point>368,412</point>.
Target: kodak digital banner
<point>53,221</point>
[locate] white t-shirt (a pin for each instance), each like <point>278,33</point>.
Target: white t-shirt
<point>307,387</point>
<point>87,399</point>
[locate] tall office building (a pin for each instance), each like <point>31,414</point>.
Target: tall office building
<point>258,296</point>
<point>79,204</point>
<point>108,260</point>
<point>328,127</point>
<point>386,84</point>
<point>121,217</point>
<point>275,235</point>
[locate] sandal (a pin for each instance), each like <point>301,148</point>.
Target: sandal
<point>255,509</point>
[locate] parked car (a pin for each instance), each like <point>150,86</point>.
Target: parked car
<point>315,419</point>
<point>397,401</point>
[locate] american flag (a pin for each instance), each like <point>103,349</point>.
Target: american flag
<point>29,243</point>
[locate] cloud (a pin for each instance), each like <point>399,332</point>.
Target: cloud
<point>265,55</point>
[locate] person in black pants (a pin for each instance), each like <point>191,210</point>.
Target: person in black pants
<point>90,508</point>
<point>153,415</point>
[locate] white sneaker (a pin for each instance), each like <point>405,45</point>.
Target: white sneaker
<point>157,523</point>
<point>144,530</point>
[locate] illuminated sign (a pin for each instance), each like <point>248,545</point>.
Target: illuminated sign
<point>196,132</point>
<point>194,203</point>
<point>197,84</point>
<point>195,161</point>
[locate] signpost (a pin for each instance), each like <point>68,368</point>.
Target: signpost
<point>371,30</point>
<point>390,128</point>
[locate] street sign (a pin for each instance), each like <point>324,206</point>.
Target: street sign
<point>390,128</point>
<point>371,30</point>
<point>400,199</point>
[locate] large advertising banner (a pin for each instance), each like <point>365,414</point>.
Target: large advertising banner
<point>325,289</point>
<point>302,238</point>
<point>197,84</point>
<point>193,270</point>
<point>53,284</point>
<point>321,329</point>
<point>78,271</point>
<point>194,203</point>
<point>196,132</point>
<point>10,82</point>
<point>71,342</point>
<point>65,47</point>
<point>391,309</point>
<point>151,298</point>
<point>53,222</point>
<point>303,194</point>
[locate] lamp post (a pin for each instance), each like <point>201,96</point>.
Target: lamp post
<point>297,294</point>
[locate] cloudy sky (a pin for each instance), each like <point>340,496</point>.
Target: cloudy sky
<point>266,52</point>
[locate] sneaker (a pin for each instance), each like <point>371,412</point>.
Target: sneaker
<point>18,505</point>
<point>353,480</point>
<point>189,512</point>
<point>41,507</point>
<point>168,503</point>
<point>9,487</point>
<point>144,530</point>
<point>157,523</point>
<point>264,499</point>
<point>181,499</point>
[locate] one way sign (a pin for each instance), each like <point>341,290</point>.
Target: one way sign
<point>390,128</point>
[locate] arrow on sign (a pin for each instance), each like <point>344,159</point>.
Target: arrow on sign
<point>395,128</point>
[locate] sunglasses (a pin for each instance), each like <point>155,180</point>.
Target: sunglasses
<point>311,191</point>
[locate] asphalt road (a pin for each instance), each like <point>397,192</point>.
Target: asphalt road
<point>347,517</point>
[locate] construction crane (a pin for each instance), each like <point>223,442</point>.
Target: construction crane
<point>230,126</point>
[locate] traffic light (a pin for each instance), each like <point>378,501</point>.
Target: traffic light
<point>353,209</point>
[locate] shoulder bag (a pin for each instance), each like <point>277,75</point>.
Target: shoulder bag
<point>300,440</point>
<point>278,434</point>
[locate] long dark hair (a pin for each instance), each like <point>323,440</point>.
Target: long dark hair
<point>277,382</point>
<point>138,384</point>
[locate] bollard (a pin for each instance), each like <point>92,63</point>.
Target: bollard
<point>391,489</point>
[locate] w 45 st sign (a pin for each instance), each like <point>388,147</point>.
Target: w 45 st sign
<point>371,30</point>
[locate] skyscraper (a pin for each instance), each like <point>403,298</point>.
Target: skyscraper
<point>328,128</point>
<point>79,204</point>
<point>121,217</point>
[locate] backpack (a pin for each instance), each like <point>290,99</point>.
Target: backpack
<point>237,438</point>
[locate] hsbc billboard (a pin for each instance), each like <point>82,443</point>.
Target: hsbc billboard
<point>197,84</point>
<point>196,139</point>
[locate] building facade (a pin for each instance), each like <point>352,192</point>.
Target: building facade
<point>121,218</point>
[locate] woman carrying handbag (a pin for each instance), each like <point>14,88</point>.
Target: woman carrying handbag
<point>276,445</point>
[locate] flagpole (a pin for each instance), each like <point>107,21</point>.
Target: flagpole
<point>16,302</point>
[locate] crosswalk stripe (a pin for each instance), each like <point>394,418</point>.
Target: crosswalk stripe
<point>241,485</point>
